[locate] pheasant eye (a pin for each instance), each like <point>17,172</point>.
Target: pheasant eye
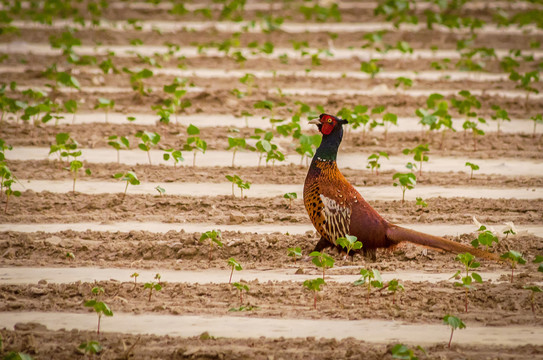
<point>329,120</point>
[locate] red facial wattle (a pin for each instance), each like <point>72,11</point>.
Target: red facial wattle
<point>327,128</point>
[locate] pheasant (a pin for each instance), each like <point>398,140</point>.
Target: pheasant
<point>337,209</point>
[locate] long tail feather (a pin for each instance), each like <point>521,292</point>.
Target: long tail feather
<point>397,234</point>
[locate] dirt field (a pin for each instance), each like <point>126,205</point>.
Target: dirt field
<point>261,238</point>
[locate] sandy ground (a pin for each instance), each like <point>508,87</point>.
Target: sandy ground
<point>496,303</point>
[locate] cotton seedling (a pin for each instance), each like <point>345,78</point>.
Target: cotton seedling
<point>173,154</point>
<point>420,202</point>
<point>148,141</point>
<point>249,81</point>
<point>401,351</point>
<point>71,107</point>
<point>500,116</point>
<point>234,179</point>
<point>294,253</point>
<point>64,145</point>
<point>90,347</point>
<point>153,285</point>
<point>406,181</point>
<point>160,189</point>
<point>263,144</point>
<point>515,258</point>
<point>176,102</point>
<point>322,260</point>
<point>135,276</point>
<point>8,179</point>
<point>235,266</point>
<point>394,286</point>
<point>246,116</point>
<point>194,142</point>
<point>130,177</point>
<point>349,243</point>
<point>118,143</point>
<point>473,167</point>
<point>101,308</point>
<point>214,237</point>
<point>105,104</point>
<point>419,154</point>
<point>236,143</point>
<point>314,285</point>
<point>475,131</point>
<point>525,82</point>
<point>370,278</point>
<point>469,263</point>
<point>485,238</point>
<point>537,119</point>
<point>75,166</point>
<point>404,82</point>
<point>136,80</point>
<point>291,196</point>
<point>539,260</point>
<point>307,146</point>
<point>240,288</point>
<point>454,323</point>
<point>373,161</point>
<point>370,67</point>
<point>534,289</point>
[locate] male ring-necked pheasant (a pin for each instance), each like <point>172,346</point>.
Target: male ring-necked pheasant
<point>336,208</point>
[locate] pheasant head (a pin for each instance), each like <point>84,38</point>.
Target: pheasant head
<point>331,129</point>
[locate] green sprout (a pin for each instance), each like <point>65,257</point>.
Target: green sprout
<point>420,202</point>
<point>240,288</point>
<point>418,154</point>
<point>515,257</point>
<point>105,104</point>
<point>500,116</point>
<point>214,237</point>
<point>236,143</point>
<point>373,161</point>
<point>537,119</point>
<point>406,181</point>
<point>290,197</point>
<point>8,179</point>
<point>118,143</point>
<point>294,252</point>
<point>194,142</point>
<point>401,351</point>
<point>71,107</point>
<point>370,67</point>
<point>473,167</point>
<point>393,286</point>
<point>70,255</point>
<point>454,323</point>
<point>315,286</point>
<point>468,260</point>
<point>235,266</point>
<point>75,166</point>
<point>539,260</point>
<point>534,289</point>
<point>236,180</point>
<point>175,155</point>
<point>148,141</point>
<point>322,260</point>
<point>153,285</point>
<point>160,190</point>
<point>349,243</point>
<point>135,276</point>
<point>90,347</point>
<point>485,238</point>
<point>130,177</point>
<point>370,278</point>
<point>99,307</point>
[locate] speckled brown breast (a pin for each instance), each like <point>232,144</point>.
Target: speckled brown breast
<point>328,199</point>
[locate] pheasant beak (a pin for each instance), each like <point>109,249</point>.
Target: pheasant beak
<point>316,121</point>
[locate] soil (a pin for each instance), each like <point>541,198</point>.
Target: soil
<point>492,303</point>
